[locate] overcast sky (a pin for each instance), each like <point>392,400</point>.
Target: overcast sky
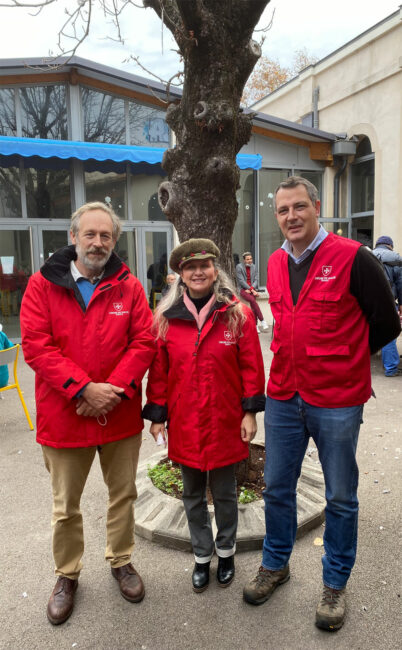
<point>320,26</point>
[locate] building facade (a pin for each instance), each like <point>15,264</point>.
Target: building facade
<point>356,91</point>
<point>84,132</point>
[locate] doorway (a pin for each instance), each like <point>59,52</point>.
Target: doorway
<point>24,249</point>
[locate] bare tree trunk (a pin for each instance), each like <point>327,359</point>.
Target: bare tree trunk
<point>214,38</point>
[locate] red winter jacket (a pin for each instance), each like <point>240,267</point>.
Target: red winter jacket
<point>202,383</point>
<point>321,344</point>
<point>68,345</point>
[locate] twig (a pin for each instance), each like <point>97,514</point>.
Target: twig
<point>269,26</point>
<point>35,5</point>
<point>163,81</point>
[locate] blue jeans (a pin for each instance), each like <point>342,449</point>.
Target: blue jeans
<point>390,358</point>
<point>288,426</point>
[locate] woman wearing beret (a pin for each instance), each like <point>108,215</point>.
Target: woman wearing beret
<point>205,386</point>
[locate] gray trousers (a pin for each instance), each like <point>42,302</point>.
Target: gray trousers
<point>222,483</point>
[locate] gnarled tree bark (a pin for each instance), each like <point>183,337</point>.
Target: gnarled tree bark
<point>215,40</point>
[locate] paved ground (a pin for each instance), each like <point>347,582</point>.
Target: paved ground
<point>171,615</point>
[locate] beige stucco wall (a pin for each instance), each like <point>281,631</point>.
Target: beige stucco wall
<point>360,93</point>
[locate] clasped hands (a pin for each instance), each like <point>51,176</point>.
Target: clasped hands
<point>98,399</point>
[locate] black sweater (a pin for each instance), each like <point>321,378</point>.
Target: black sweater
<point>371,289</point>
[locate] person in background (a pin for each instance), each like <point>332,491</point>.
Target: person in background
<point>5,344</point>
<point>156,273</point>
<point>247,281</point>
<point>206,384</point>
<point>170,278</point>
<point>86,332</point>
<point>392,263</point>
<point>333,307</point>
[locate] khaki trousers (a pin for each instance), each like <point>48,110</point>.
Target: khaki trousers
<point>69,469</point>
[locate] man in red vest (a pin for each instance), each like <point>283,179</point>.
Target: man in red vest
<point>333,307</point>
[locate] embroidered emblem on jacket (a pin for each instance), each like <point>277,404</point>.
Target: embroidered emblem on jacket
<point>118,307</point>
<point>229,338</point>
<point>326,270</point>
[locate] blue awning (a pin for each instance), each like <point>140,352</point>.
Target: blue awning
<point>65,149</point>
<point>249,160</point>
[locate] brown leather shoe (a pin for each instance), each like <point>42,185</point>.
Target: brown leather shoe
<point>61,602</point>
<point>130,583</point>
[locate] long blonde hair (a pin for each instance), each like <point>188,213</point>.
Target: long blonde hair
<point>223,290</point>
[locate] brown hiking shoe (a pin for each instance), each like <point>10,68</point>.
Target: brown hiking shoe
<point>330,612</point>
<point>264,584</point>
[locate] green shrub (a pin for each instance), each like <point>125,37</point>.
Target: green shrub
<point>166,478</point>
<point>246,496</point>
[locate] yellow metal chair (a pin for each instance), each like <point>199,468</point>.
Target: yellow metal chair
<point>155,298</point>
<point>11,356</point>
<point>5,303</point>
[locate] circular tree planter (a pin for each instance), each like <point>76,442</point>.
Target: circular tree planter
<point>161,518</point>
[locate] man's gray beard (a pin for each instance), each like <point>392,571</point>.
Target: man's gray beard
<point>92,265</point>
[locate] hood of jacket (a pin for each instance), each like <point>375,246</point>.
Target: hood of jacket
<point>57,268</point>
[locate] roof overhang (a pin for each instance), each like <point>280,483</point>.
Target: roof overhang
<point>75,70</point>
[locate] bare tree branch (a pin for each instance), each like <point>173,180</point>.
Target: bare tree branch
<point>251,12</point>
<point>170,14</point>
<point>269,26</point>
<point>167,83</point>
<point>27,5</point>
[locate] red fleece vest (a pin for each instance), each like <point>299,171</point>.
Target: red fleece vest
<point>320,345</point>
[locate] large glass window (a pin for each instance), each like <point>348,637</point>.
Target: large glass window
<point>362,193</point>
<point>363,186</point>
<point>362,230</point>
<point>243,238</point>
<point>107,183</point>
<point>144,182</point>
<point>15,269</point>
<point>315,178</point>
<point>127,251</point>
<point>10,189</point>
<point>271,237</point>
<point>44,112</point>
<point>156,262</point>
<point>104,118</point>
<point>8,124</point>
<point>47,191</point>
<point>340,228</point>
<point>52,240</point>
<point>147,126</point>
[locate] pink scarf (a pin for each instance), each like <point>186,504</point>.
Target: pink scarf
<point>200,317</point>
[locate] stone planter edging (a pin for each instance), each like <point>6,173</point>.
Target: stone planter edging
<point>161,518</point>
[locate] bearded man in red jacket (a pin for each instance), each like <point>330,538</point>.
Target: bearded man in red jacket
<point>86,332</point>
<point>332,306</point>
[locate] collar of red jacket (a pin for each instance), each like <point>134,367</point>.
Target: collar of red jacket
<point>57,268</point>
<point>179,309</point>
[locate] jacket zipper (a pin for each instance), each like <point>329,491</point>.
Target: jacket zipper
<point>214,317</point>
<point>292,344</point>
<point>196,343</point>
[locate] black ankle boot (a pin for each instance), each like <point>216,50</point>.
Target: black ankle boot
<point>201,576</point>
<point>226,571</point>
